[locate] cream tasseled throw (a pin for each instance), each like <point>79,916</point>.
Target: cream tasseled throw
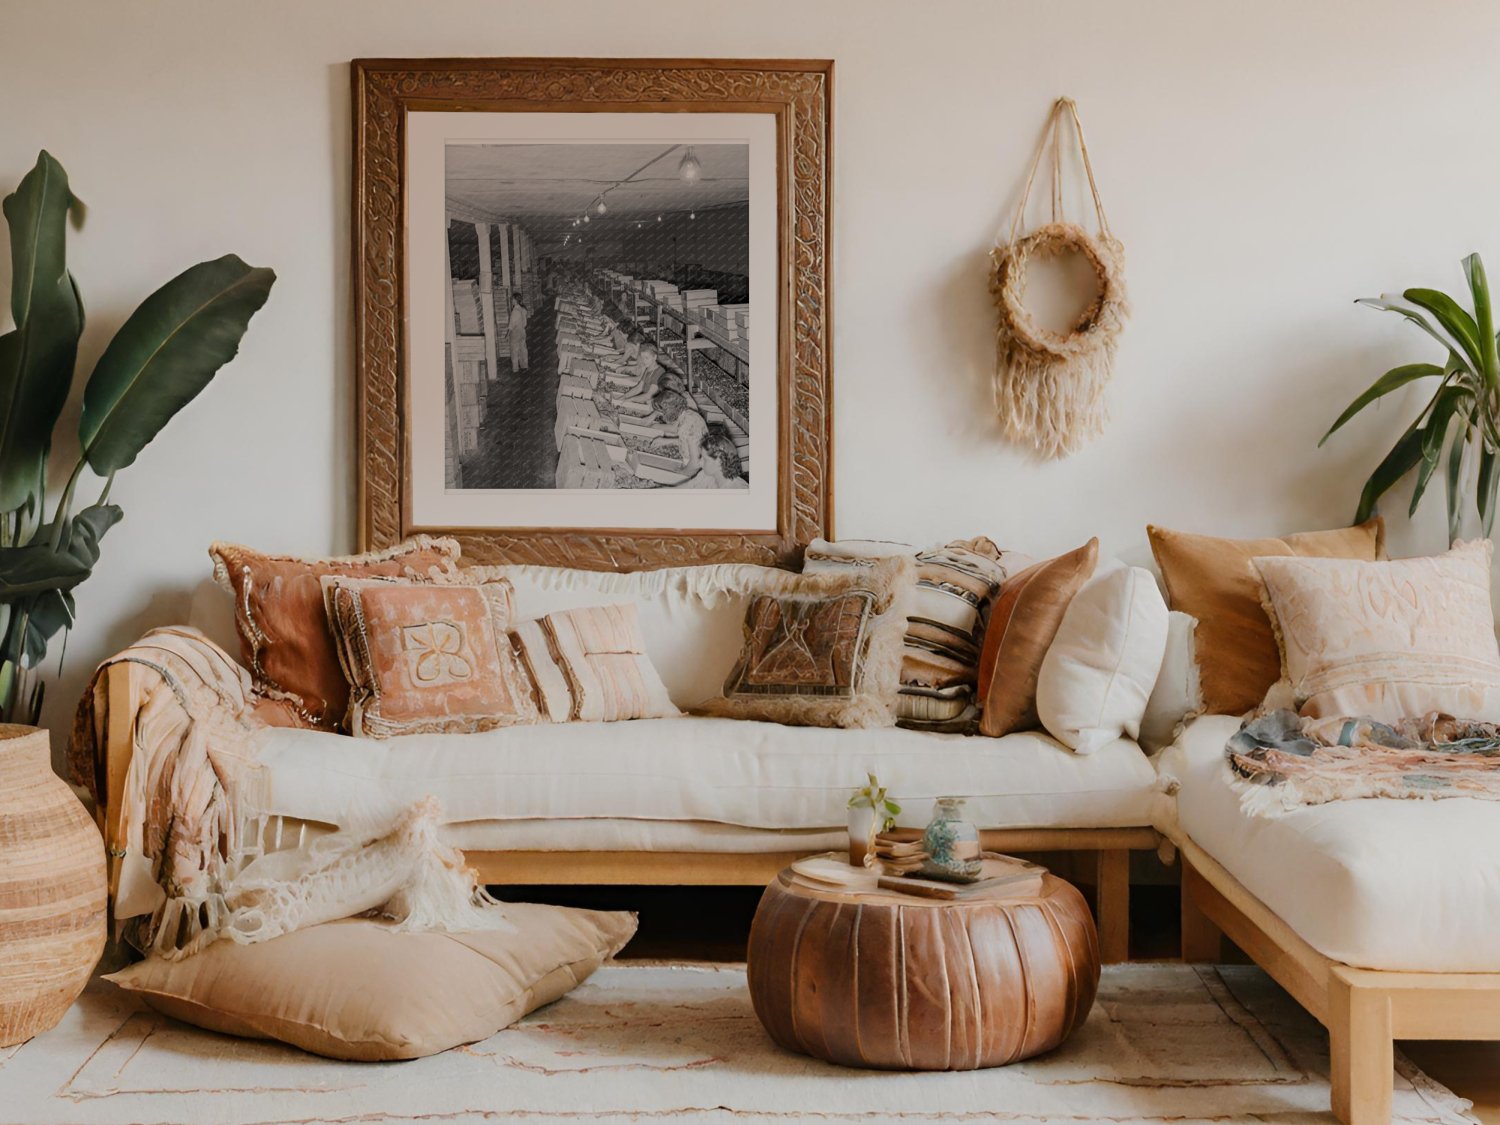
<point>192,865</point>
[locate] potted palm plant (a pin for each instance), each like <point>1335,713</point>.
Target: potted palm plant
<point>163,355</point>
<point>1457,427</point>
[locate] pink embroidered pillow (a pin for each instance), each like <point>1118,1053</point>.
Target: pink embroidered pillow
<point>590,665</point>
<point>427,657</point>
<point>1390,640</point>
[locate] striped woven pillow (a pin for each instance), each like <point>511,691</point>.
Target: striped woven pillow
<point>956,584</point>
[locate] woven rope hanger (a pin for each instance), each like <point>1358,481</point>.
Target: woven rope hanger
<point>1049,386</point>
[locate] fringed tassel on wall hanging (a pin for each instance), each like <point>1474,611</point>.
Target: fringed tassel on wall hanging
<point>1049,386</point>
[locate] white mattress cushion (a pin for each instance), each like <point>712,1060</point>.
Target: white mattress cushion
<point>730,771</point>
<point>1379,884</point>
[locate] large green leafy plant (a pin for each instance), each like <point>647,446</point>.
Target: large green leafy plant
<point>1457,427</point>
<point>163,355</point>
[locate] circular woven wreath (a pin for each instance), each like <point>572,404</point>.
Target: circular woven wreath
<point>1096,326</point>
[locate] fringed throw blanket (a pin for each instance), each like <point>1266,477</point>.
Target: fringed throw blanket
<point>1281,761</point>
<point>191,843</point>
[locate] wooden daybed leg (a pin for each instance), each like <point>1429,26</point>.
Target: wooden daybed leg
<point>1112,886</point>
<point>1361,1051</point>
<point>1202,941</point>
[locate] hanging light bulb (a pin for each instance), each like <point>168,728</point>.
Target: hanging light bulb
<point>585,218</point>
<point>690,170</point>
<point>692,214</point>
<point>601,208</point>
<point>658,218</point>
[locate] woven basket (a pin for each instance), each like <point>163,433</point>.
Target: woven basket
<point>52,889</point>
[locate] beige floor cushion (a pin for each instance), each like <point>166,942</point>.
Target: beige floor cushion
<point>358,990</point>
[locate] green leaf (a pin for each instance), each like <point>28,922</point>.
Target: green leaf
<point>37,356</point>
<point>1394,379</point>
<point>168,351</point>
<point>81,536</point>
<point>1454,319</point>
<point>50,612</point>
<point>35,568</point>
<point>1445,404</point>
<point>1455,476</point>
<point>1484,316</point>
<point>1397,304</point>
<point>1488,480</point>
<point>1402,458</point>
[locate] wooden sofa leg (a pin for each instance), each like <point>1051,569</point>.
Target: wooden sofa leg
<point>1202,941</point>
<point>1361,1052</point>
<point>1112,886</point>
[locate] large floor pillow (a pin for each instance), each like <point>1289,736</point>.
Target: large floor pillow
<point>358,990</point>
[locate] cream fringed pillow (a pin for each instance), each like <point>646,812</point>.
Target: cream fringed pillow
<point>356,990</point>
<point>590,665</point>
<point>427,657</point>
<point>823,649</point>
<point>1388,640</point>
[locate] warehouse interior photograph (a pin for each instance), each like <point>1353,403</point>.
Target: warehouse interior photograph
<point>451,670</point>
<point>585,277</point>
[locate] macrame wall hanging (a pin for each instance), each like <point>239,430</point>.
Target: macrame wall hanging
<point>1049,386</point>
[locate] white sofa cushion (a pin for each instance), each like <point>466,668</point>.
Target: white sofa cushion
<point>1378,884</point>
<point>730,771</point>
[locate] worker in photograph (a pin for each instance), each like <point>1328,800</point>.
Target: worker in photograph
<point>649,373</point>
<point>720,461</point>
<point>519,359</point>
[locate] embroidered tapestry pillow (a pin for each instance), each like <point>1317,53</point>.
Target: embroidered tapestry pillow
<point>284,634</point>
<point>1023,623</point>
<point>956,584</point>
<point>823,649</point>
<point>1214,580</point>
<point>427,657</point>
<point>590,665</point>
<point>1388,640</point>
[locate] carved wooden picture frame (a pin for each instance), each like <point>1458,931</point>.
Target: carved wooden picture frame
<point>388,96</point>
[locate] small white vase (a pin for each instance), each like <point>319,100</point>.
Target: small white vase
<point>861,829</point>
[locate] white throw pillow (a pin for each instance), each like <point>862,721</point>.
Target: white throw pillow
<point>1098,674</point>
<point>1178,694</point>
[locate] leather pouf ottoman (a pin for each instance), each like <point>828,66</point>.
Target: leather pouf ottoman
<point>889,980</point>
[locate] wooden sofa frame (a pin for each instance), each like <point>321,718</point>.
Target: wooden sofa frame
<point>1364,1010</point>
<point>1111,846</point>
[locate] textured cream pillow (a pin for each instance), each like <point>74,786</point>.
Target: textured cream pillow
<point>590,665</point>
<point>357,990</point>
<point>1177,694</point>
<point>1099,671</point>
<point>1390,640</point>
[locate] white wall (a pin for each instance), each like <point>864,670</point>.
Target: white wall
<point>1264,164</point>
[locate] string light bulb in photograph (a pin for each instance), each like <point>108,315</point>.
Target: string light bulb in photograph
<point>692,215</point>
<point>690,170</point>
<point>601,208</point>
<point>585,218</point>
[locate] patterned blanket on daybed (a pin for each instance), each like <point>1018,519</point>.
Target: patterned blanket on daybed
<point>194,856</point>
<point>1281,761</point>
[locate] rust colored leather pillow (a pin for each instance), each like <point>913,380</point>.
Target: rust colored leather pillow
<point>427,657</point>
<point>1215,581</point>
<point>1023,622</point>
<point>285,640</point>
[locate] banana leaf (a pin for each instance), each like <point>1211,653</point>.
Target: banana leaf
<point>166,353</point>
<point>35,568</point>
<point>37,356</point>
<point>1394,379</point>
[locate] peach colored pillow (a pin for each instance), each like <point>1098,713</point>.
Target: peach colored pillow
<point>284,635</point>
<point>1390,640</point>
<point>424,657</point>
<point>1023,622</point>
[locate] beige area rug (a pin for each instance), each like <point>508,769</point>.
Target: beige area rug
<point>649,1042</point>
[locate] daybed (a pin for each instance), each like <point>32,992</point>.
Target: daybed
<point>671,801</point>
<point>1378,915</point>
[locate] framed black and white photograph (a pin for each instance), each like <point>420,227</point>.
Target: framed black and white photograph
<point>597,349</point>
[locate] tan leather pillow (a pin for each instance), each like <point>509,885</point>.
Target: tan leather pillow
<point>1215,581</point>
<point>427,657</point>
<point>1023,622</point>
<point>285,640</point>
<point>357,990</point>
